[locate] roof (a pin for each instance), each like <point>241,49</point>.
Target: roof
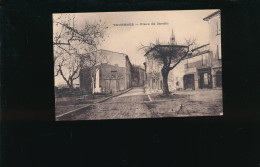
<point>163,46</point>
<point>199,47</point>
<point>199,52</point>
<point>103,50</point>
<point>211,15</point>
<point>113,58</point>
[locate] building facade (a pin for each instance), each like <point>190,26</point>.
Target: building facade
<point>138,76</point>
<point>201,69</point>
<point>153,76</point>
<point>141,77</point>
<point>214,21</point>
<point>197,69</point>
<point>111,75</point>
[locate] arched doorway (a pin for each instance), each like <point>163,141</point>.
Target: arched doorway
<point>218,79</point>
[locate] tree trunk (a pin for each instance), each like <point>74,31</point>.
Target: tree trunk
<point>165,83</point>
<point>71,86</point>
<point>93,87</point>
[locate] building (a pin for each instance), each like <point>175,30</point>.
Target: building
<point>141,77</point>
<point>203,68</point>
<point>197,69</point>
<point>214,21</point>
<point>154,79</point>
<point>138,76</point>
<point>153,75</point>
<point>112,74</point>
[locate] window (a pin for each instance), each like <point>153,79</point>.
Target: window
<point>95,81</point>
<point>206,81</point>
<point>204,59</point>
<point>218,28</point>
<point>218,55</point>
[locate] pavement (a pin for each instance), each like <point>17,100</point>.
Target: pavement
<point>135,103</point>
<point>202,102</point>
<point>128,105</point>
<point>68,110</point>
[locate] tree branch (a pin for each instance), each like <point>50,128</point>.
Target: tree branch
<point>180,60</point>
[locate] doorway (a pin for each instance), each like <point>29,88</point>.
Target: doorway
<point>188,81</point>
<point>205,78</point>
<point>218,79</point>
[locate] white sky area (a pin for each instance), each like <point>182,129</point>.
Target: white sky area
<point>127,39</point>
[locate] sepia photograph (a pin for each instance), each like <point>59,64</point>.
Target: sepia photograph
<point>131,83</point>
<point>143,64</point>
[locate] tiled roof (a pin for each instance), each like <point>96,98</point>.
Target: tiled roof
<point>211,15</point>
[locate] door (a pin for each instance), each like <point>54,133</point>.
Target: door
<point>205,79</point>
<point>219,79</point>
<point>188,81</point>
<point>107,85</point>
<point>113,85</point>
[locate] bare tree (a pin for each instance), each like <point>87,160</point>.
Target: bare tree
<point>92,62</point>
<point>75,45</point>
<point>169,56</point>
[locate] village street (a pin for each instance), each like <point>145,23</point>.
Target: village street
<point>128,105</point>
<point>137,104</point>
<point>121,80</point>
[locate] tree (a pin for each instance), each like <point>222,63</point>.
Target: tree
<point>169,56</point>
<point>92,62</point>
<point>75,45</point>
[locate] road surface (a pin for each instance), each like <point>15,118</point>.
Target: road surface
<point>128,105</point>
<point>136,104</point>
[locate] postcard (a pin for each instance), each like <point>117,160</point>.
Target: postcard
<point>142,64</point>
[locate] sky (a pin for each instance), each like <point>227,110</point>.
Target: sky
<point>128,39</point>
